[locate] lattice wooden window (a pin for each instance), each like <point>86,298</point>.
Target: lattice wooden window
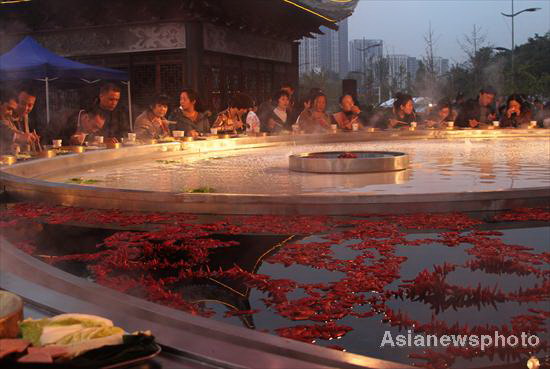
<point>278,79</point>
<point>143,79</point>
<point>267,85</point>
<point>215,80</point>
<point>63,102</point>
<point>233,81</point>
<point>171,79</point>
<point>212,83</point>
<point>250,83</point>
<point>279,68</point>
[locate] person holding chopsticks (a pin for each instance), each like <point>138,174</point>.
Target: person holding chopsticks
<point>230,120</point>
<point>442,114</point>
<point>403,112</point>
<point>12,138</point>
<point>26,98</point>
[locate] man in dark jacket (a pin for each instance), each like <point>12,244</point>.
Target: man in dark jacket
<point>26,98</point>
<point>83,126</point>
<point>476,113</point>
<point>116,118</point>
<point>10,136</point>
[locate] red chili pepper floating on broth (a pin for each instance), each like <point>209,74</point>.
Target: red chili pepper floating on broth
<point>175,251</point>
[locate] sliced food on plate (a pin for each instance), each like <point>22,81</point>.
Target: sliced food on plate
<point>10,346</point>
<point>65,337</point>
<point>75,333</point>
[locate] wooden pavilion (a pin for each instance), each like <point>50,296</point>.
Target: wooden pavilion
<point>214,46</point>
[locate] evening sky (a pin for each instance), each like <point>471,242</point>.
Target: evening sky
<point>402,24</point>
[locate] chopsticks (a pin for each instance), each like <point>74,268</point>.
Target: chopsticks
<point>37,141</point>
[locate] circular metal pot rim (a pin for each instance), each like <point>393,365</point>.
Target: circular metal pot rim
<point>332,162</point>
<point>21,183</point>
<point>390,154</point>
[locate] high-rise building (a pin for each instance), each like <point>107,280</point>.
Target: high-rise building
<point>327,52</point>
<point>363,54</point>
<point>343,54</point>
<point>398,69</point>
<point>309,55</point>
<point>441,65</point>
<point>412,67</point>
<point>402,69</point>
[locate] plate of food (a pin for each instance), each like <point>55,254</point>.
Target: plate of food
<point>23,156</point>
<point>133,143</point>
<point>63,152</point>
<point>76,341</point>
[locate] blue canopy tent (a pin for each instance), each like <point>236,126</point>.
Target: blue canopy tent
<point>30,60</point>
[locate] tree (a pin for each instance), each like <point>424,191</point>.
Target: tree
<point>471,45</point>
<point>419,84</point>
<point>484,67</point>
<point>430,75</point>
<point>383,69</point>
<point>399,79</point>
<point>487,70</point>
<point>458,80</point>
<point>328,82</point>
<point>532,64</point>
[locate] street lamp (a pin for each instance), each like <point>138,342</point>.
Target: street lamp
<point>513,15</point>
<point>364,50</point>
<point>300,67</point>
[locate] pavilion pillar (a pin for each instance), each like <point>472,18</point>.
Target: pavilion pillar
<point>293,76</point>
<point>194,45</point>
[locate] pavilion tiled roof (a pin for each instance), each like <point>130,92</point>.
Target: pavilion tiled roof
<point>332,10</point>
<point>280,19</point>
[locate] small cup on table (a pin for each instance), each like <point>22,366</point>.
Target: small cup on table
<point>56,144</point>
<point>178,134</point>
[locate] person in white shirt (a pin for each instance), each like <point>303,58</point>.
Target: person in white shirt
<point>252,121</point>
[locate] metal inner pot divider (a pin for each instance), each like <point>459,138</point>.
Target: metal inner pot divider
<point>349,162</point>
